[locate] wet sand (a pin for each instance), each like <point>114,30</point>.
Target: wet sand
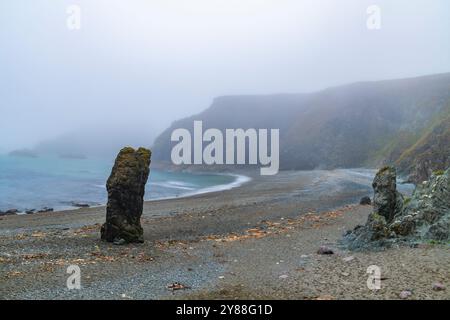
<point>255,241</point>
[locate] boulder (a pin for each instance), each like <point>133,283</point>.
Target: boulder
<point>45,209</point>
<point>365,201</point>
<point>325,250</point>
<point>9,212</point>
<point>405,294</point>
<point>387,201</point>
<point>126,188</point>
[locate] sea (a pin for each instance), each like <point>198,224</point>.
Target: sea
<point>59,183</point>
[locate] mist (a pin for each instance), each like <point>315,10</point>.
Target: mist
<point>136,66</point>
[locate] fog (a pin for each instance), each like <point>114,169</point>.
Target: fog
<point>135,66</point>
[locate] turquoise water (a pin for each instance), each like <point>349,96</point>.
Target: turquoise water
<point>46,181</point>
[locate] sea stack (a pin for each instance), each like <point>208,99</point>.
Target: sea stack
<point>387,200</point>
<point>126,188</point>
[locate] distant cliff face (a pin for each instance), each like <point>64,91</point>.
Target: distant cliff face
<point>363,124</point>
<point>431,152</point>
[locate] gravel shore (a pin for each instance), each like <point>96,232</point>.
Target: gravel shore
<point>256,241</point>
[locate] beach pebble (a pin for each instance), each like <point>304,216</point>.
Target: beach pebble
<point>284,276</point>
<point>325,250</point>
<point>437,286</point>
<point>405,294</point>
<point>348,259</point>
<point>365,201</point>
<point>119,241</point>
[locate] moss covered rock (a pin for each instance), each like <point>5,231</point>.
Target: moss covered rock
<point>425,216</point>
<point>126,188</point>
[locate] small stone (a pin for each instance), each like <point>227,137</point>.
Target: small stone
<point>325,250</point>
<point>437,286</point>
<point>405,294</point>
<point>80,205</point>
<point>284,276</point>
<point>348,259</point>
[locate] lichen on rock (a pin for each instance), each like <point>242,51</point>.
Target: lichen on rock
<point>126,188</point>
<point>425,216</point>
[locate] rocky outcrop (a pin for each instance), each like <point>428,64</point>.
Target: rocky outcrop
<point>424,216</point>
<point>126,188</point>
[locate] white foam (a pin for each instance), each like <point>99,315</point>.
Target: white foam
<point>174,185</point>
<point>240,180</point>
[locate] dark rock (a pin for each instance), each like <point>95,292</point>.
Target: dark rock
<point>365,201</point>
<point>426,215</point>
<point>126,188</point>
<point>45,209</point>
<point>405,294</point>
<point>387,201</point>
<point>31,211</point>
<point>437,286</point>
<point>26,153</point>
<point>325,250</point>
<point>79,205</point>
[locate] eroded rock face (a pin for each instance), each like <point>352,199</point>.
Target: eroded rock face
<point>126,188</point>
<point>425,216</point>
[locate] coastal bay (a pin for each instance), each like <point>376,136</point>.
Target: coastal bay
<point>258,240</point>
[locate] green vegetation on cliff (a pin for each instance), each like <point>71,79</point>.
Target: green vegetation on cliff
<point>402,122</point>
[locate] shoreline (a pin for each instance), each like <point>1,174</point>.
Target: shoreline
<point>240,179</point>
<point>257,241</point>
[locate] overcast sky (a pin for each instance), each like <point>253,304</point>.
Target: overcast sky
<point>149,62</point>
